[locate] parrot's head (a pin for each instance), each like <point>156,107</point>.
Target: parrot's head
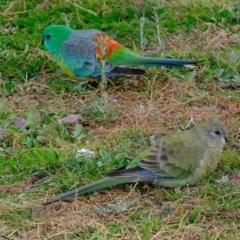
<point>213,133</point>
<point>54,36</point>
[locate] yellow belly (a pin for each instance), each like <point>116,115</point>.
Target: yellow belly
<point>66,69</point>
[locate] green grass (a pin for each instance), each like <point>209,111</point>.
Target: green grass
<point>38,153</point>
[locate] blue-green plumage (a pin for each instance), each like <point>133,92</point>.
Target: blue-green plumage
<point>78,52</point>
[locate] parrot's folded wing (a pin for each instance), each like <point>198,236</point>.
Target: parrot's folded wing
<point>175,157</point>
<point>78,52</point>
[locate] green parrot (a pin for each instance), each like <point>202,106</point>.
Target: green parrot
<point>77,53</point>
<point>175,161</point>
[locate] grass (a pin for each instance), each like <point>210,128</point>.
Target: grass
<point>38,152</point>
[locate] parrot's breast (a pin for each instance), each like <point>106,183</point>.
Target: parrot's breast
<point>65,68</point>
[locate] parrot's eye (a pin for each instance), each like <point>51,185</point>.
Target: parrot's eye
<point>48,36</point>
<point>217,132</point>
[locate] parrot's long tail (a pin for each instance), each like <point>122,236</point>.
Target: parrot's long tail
<point>98,185</point>
<point>120,176</point>
<point>164,62</point>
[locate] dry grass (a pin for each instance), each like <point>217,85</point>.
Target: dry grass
<point>205,211</point>
<point>170,102</point>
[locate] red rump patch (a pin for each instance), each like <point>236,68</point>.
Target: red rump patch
<point>104,42</point>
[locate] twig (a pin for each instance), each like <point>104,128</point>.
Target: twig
<point>142,22</point>
<point>84,9</point>
<point>229,85</point>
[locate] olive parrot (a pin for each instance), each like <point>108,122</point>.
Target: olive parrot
<point>175,161</point>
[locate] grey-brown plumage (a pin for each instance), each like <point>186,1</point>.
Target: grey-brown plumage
<point>177,160</point>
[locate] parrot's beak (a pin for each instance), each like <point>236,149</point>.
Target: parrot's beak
<point>43,39</point>
<point>226,136</point>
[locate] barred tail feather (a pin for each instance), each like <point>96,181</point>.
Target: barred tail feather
<point>98,185</point>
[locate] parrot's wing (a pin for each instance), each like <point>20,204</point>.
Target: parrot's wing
<point>176,156</point>
<point>79,52</point>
